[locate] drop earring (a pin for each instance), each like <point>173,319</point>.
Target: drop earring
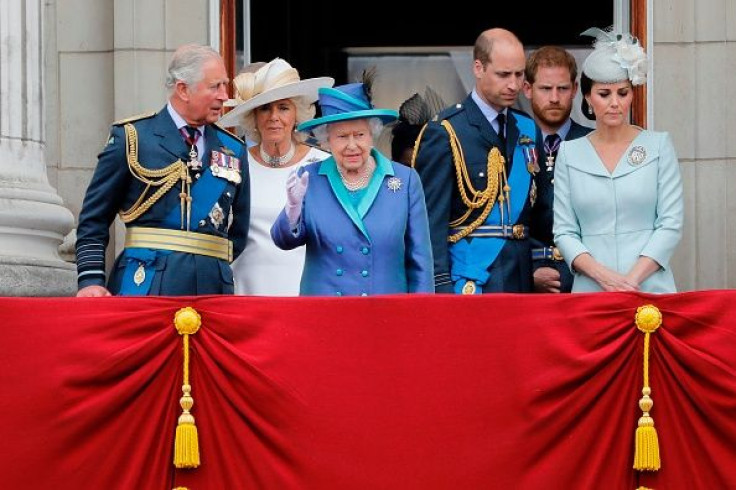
<point>590,110</point>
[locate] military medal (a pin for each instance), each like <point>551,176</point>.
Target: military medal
<point>226,167</point>
<point>234,164</point>
<point>550,162</point>
<point>217,216</point>
<point>636,155</point>
<point>551,145</point>
<point>194,162</point>
<point>140,275</point>
<point>530,155</point>
<point>469,287</point>
<point>394,184</point>
<point>191,135</point>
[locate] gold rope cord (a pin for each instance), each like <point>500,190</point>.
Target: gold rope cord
<point>165,177</point>
<point>646,448</point>
<point>495,175</point>
<point>415,151</point>
<point>187,321</point>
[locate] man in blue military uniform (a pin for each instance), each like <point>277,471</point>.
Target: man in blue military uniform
<point>180,185</point>
<point>550,84</point>
<point>477,161</point>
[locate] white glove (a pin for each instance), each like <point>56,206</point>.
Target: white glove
<point>296,188</point>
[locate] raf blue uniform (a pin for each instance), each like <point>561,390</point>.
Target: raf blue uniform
<point>497,256</point>
<point>166,258</point>
<point>544,252</point>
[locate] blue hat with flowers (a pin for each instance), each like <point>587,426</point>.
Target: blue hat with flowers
<point>344,103</point>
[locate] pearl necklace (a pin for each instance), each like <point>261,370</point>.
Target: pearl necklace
<point>276,162</point>
<point>362,180</point>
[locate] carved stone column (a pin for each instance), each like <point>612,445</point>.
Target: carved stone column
<point>33,220</point>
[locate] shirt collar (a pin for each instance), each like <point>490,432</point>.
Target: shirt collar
<point>489,112</point>
<point>178,120</point>
<point>561,131</point>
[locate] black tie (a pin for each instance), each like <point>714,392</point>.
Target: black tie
<point>501,121</point>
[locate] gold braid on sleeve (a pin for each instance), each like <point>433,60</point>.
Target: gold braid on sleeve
<point>497,188</point>
<point>163,178</point>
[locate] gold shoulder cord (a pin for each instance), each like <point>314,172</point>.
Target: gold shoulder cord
<point>472,198</point>
<point>164,178</point>
<point>415,151</point>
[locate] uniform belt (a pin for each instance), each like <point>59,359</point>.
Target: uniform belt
<point>179,241</point>
<point>510,232</point>
<point>547,253</point>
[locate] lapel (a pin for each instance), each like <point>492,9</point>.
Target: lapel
<point>479,121</point>
<point>583,157</point>
<point>586,159</point>
<point>328,168</point>
<point>540,146</point>
<point>624,166</point>
<point>169,137</point>
<point>512,137</point>
<point>383,168</point>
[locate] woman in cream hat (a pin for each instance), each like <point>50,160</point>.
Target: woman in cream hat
<point>618,206</point>
<point>361,216</point>
<point>271,100</point>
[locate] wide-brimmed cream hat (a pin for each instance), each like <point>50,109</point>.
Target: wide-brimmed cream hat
<point>266,83</point>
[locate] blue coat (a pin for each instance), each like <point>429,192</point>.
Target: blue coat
<point>113,188</point>
<point>511,271</point>
<point>382,247</point>
<point>617,217</point>
<point>541,226</point>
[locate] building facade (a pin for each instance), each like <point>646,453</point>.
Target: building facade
<point>100,60</point>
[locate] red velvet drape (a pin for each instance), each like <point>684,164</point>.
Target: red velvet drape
<point>403,392</point>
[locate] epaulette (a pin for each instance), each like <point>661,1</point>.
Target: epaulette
<point>448,112</point>
<point>145,115</point>
<point>226,131</point>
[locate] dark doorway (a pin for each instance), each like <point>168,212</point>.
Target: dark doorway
<point>312,35</point>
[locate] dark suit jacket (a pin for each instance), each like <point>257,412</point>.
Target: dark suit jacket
<point>113,188</point>
<point>541,225</point>
<point>511,271</point>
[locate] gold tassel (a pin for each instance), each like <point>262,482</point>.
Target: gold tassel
<point>646,450</point>
<point>186,443</point>
<point>640,488</point>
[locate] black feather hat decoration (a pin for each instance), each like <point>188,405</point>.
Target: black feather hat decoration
<point>417,110</point>
<point>368,78</point>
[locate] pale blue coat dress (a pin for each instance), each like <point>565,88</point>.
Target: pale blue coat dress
<point>617,217</point>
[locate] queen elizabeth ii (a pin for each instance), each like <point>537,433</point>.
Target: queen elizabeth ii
<point>361,216</point>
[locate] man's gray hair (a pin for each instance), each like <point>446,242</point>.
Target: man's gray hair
<point>186,64</point>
